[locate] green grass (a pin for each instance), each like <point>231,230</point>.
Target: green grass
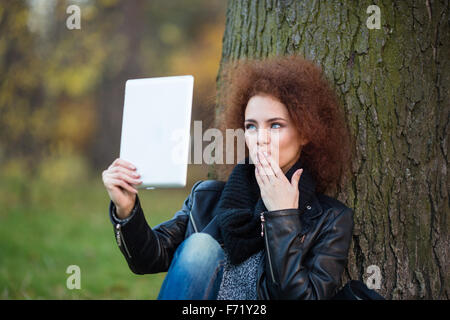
<point>45,227</point>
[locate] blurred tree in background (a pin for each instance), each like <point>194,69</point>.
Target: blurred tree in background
<point>61,100</point>
<point>62,91</point>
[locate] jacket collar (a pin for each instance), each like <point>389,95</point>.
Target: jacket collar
<point>306,185</point>
<point>309,205</point>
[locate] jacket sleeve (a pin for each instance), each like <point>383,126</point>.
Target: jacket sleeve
<point>287,275</point>
<point>146,249</point>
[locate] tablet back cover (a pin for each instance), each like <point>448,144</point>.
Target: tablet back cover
<point>156,129</point>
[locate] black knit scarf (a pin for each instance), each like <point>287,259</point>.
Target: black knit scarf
<point>240,204</point>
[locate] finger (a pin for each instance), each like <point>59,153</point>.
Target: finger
<point>258,178</point>
<point>266,168</point>
<point>296,178</point>
<point>274,166</point>
<point>111,181</point>
<point>123,185</point>
<point>130,173</point>
<point>122,176</point>
<point>123,163</point>
<point>262,175</point>
<point>113,164</point>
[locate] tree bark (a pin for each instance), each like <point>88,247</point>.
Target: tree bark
<point>393,85</point>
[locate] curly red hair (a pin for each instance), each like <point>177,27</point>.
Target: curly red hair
<point>302,87</point>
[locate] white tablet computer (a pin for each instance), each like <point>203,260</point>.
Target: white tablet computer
<point>156,129</point>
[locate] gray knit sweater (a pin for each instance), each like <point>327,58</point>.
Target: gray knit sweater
<point>239,281</point>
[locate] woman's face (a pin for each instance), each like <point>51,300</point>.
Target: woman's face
<point>268,127</point>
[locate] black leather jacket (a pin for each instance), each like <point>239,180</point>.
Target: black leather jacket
<point>304,258</point>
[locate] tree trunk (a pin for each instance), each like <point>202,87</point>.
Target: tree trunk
<point>393,85</point>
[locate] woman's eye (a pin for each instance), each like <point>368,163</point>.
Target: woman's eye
<point>276,124</point>
<point>273,126</point>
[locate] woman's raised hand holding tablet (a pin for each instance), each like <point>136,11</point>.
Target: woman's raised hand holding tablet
<point>119,179</point>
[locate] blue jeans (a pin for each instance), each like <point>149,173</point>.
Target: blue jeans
<point>196,270</point>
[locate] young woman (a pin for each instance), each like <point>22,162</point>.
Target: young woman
<point>269,231</point>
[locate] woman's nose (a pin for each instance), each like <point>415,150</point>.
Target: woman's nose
<point>263,137</point>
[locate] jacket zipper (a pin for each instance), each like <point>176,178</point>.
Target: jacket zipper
<point>121,240</point>
<point>193,222</point>
<point>264,234</point>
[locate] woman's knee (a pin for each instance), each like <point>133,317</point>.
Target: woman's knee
<point>199,248</point>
